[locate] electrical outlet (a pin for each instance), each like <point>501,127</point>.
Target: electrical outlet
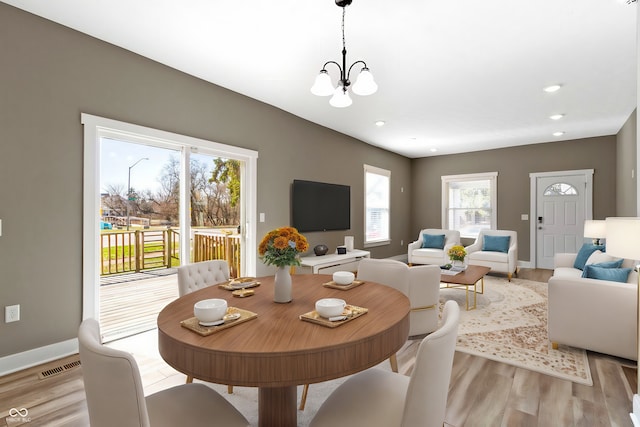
<point>401,242</point>
<point>11,313</point>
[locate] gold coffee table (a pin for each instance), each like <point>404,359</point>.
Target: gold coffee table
<point>465,279</point>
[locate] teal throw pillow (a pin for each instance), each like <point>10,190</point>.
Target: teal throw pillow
<point>433,241</point>
<point>609,264</point>
<point>584,253</point>
<point>496,243</point>
<point>603,273</point>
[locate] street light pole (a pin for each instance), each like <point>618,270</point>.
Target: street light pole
<point>129,190</point>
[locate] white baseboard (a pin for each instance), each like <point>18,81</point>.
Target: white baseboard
<point>37,356</point>
<point>635,415</point>
<point>524,264</point>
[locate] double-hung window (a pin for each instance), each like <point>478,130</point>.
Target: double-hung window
<point>377,184</point>
<point>469,203</point>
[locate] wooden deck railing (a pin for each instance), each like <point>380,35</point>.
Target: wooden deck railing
<point>216,246</point>
<point>135,251</point>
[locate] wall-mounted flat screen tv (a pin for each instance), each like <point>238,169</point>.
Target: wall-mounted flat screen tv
<point>318,206</point>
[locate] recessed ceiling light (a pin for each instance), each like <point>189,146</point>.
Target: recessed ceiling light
<point>559,133</point>
<point>556,116</point>
<point>433,150</point>
<point>380,123</point>
<point>552,88</point>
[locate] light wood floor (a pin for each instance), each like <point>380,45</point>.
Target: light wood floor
<point>482,392</point>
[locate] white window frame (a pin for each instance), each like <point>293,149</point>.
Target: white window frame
<point>368,169</point>
<point>492,177</point>
<point>96,128</point>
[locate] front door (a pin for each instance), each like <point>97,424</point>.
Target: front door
<point>561,209</point>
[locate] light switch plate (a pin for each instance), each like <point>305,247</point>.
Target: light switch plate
<point>11,313</point>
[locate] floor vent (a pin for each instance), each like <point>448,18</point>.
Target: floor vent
<point>59,369</point>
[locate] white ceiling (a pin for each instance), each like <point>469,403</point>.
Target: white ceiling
<point>453,75</point>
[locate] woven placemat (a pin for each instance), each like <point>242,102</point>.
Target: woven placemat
<point>193,324</point>
<point>351,311</point>
<point>334,285</point>
<point>239,283</point>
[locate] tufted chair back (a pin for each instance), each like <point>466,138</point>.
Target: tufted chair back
<point>192,277</point>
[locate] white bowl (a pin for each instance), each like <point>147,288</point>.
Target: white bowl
<point>330,307</point>
<point>343,277</point>
<point>210,310</point>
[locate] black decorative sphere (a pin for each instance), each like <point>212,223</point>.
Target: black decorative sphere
<point>321,250</point>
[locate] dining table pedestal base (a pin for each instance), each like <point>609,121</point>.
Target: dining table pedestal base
<point>284,398</point>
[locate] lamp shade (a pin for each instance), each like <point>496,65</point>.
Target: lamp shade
<point>322,85</point>
<point>595,228</point>
<point>340,98</point>
<point>623,237</point>
<point>365,85</point>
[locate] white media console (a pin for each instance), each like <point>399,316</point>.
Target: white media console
<point>330,263</point>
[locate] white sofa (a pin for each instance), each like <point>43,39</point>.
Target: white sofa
<point>416,254</point>
<point>502,262</point>
<point>593,314</point>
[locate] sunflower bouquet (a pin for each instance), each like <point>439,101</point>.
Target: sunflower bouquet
<point>457,253</point>
<point>280,247</point>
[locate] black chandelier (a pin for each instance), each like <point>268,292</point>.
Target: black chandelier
<point>364,85</point>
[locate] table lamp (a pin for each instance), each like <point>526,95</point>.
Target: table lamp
<point>623,241</point>
<point>596,229</point>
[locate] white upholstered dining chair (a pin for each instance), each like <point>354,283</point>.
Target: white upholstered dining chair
<point>198,275</point>
<point>376,397</point>
<point>115,396</point>
<point>421,284</point>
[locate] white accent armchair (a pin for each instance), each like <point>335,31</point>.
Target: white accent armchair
<point>198,275</point>
<point>421,284</point>
<point>417,254</point>
<point>380,398</point>
<point>485,252</point>
<point>115,396</point>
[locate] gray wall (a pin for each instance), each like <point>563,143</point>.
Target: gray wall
<point>49,75</point>
<point>626,189</point>
<point>514,166</point>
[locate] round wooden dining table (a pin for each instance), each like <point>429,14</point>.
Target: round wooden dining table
<point>276,351</point>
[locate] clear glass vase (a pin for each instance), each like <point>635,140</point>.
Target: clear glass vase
<point>457,264</point>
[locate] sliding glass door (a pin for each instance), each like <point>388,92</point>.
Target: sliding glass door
<point>195,198</point>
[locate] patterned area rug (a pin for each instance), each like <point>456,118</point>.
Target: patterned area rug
<point>510,326</point>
